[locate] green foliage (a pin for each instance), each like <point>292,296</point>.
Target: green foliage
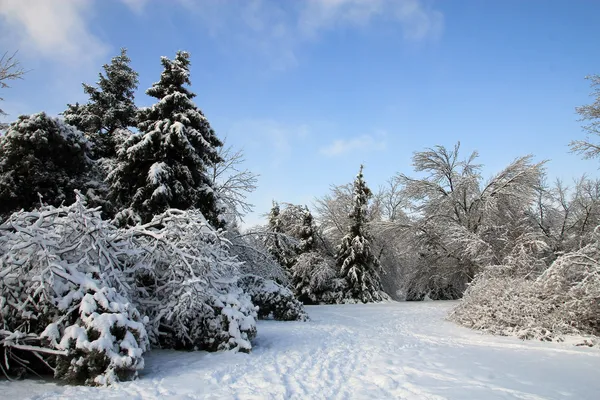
<point>41,156</point>
<point>110,108</point>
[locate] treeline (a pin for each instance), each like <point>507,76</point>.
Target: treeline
<point>520,249</point>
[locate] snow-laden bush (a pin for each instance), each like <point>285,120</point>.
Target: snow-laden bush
<point>272,299</point>
<point>315,280</point>
<point>63,298</point>
<point>186,283</point>
<point>563,300</point>
<point>573,283</point>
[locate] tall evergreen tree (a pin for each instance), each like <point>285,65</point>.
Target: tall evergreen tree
<point>307,232</point>
<point>356,262</point>
<point>110,108</point>
<point>165,166</point>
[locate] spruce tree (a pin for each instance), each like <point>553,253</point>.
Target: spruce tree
<point>165,166</point>
<point>110,108</point>
<point>40,156</point>
<point>356,262</point>
<point>307,233</point>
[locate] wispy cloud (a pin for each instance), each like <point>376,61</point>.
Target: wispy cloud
<point>58,30</point>
<point>418,20</point>
<point>361,143</point>
<point>276,29</point>
<point>137,6</point>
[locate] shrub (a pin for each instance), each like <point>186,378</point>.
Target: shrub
<point>63,297</point>
<point>186,285</point>
<point>272,299</point>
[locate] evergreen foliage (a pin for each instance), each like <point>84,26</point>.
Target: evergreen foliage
<point>110,107</point>
<point>165,166</point>
<point>41,159</point>
<point>307,234</point>
<point>315,280</point>
<point>355,260</point>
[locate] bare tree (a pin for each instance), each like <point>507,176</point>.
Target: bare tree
<point>10,69</point>
<point>233,183</point>
<point>567,216</point>
<point>590,112</point>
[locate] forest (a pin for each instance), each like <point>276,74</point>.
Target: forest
<point>121,231</point>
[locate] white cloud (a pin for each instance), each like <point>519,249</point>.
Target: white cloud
<point>52,29</point>
<point>362,143</point>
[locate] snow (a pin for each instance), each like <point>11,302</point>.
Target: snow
<point>384,351</point>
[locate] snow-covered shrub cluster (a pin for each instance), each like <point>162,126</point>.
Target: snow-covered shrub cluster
<point>563,299</point>
<point>73,289</point>
<point>272,299</point>
<point>63,299</point>
<point>186,285</point>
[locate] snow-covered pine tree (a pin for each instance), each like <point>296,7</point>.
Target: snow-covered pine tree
<point>314,276</point>
<point>40,156</point>
<point>356,262</point>
<point>110,108</point>
<point>307,233</point>
<point>165,166</point>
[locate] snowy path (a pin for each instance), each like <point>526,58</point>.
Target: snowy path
<point>378,351</point>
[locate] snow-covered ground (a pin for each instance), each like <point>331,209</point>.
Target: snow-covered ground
<point>376,351</point>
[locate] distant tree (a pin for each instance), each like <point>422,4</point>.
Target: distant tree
<point>459,225</point>
<point>110,108</point>
<point>281,245</point>
<point>10,69</point>
<point>567,216</point>
<point>356,262</point>
<point>590,112</point>
<point>166,165</point>
<point>307,232</point>
<point>332,215</point>
<point>41,159</point>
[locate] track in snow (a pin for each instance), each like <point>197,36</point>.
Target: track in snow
<point>375,351</point>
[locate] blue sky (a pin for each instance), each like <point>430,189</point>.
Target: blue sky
<point>309,89</point>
